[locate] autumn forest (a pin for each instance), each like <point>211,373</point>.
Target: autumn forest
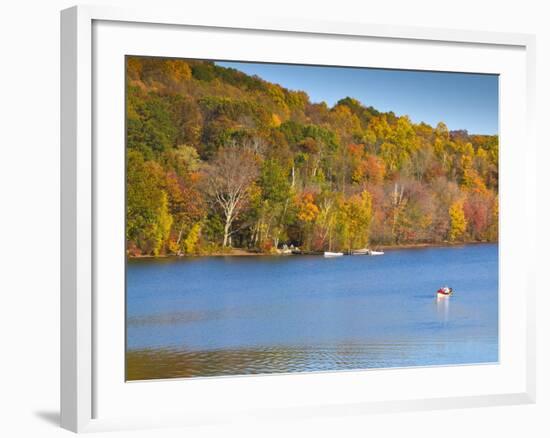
<point>218,160</point>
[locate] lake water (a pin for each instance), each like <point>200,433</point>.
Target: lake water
<point>208,316</point>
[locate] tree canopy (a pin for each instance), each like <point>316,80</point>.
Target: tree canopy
<point>217,158</point>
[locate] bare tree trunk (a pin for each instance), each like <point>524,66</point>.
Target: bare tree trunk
<point>268,229</point>
<point>397,201</point>
<point>229,177</point>
<point>179,239</point>
<point>226,233</point>
<point>255,234</point>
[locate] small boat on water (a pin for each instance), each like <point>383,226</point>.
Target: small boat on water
<point>375,253</point>
<point>333,254</point>
<point>444,292</point>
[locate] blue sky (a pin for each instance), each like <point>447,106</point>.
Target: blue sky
<point>461,100</point>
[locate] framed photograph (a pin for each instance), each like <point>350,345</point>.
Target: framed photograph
<point>341,223</point>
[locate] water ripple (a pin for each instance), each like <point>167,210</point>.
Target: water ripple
<point>166,363</point>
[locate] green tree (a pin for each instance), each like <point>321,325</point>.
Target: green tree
<point>150,124</point>
<point>275,191</point>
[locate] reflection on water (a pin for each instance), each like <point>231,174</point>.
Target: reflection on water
<point>213,316</point>
<point>162,364</point>
<point>442,304</point>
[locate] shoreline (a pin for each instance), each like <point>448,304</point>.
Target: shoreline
<point>431,245</point>
<point>240,252</point>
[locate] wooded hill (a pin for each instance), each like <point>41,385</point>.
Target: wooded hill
<point>217,158</point>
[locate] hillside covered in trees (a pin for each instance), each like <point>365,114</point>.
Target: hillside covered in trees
<point>219,159</point>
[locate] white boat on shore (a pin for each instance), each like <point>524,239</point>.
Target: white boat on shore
<point>366,251</point>
<point>355,252</point>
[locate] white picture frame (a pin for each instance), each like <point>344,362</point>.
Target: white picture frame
<point>83,257</point>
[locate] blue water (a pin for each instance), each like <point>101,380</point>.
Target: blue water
<point>264,314</point>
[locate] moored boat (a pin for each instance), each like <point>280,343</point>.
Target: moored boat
<point>333,254</point>
<point>366,251</point>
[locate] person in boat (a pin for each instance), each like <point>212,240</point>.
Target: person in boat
<point>445,290</point>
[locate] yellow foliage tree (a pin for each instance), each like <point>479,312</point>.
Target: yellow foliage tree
<point>355,218</point>
<point>190,242</point>
<point>458,221</point>
<point>492,232</point>
<point>275,120</point>
<point>163,225</point>
<point>134,67</point>
<point>307,210</point>
<point>472,181</point>
<point>177,70</point>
